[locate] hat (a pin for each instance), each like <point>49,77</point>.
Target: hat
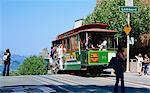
<point>140,55</point>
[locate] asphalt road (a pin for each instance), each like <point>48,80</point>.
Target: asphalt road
<point>71,84</point>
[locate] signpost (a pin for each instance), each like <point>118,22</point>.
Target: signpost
<point>128,8</point>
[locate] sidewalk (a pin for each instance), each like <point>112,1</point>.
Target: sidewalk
<point>135,78</point>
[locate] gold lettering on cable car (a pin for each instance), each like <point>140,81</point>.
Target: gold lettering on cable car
<point>94,57</point>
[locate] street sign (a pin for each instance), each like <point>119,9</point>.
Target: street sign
<point>131,40</point>
<point>128,2</point>
<point>128,9</point>
<point>127,29</point>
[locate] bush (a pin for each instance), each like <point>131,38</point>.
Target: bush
<point>14,73</point>
<point>33,65</point>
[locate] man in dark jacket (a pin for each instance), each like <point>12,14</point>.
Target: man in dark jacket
<point>119,70</point>
<point>7,63</point>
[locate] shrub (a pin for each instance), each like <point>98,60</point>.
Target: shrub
<point>14,73</point>
<point>33,65</point>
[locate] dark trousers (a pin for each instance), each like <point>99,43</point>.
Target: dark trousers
<point>117,82</point>
<point>6,73</point>
<point>145,68</point>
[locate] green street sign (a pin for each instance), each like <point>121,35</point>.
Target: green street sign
<point>128,9</point>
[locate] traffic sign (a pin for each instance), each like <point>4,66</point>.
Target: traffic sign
<point>128,9</point>
<point>128,2</point>
<point>127,29</point>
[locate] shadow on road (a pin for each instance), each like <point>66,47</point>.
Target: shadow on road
<point>67,89</point>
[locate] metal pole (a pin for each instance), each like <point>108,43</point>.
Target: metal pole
<point>79,44</point>
<point>86,39</point>
<point>128,45</point>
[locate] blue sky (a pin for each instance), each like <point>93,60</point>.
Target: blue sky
<point>28,26</point>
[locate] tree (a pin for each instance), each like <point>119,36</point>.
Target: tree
<point>33,65</point>
<point>108,12</point>
<point>44,53</point>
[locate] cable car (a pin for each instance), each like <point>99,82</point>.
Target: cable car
<point>80,57</point>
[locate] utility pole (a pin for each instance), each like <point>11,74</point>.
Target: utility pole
<point>128,45</point>
<point>127,30</point>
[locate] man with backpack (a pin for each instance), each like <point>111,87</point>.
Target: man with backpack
<point>117,63</point>
<point>6,59</point>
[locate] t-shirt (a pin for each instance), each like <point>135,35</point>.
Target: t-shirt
<point>139,59</point>
<point>60,52</point>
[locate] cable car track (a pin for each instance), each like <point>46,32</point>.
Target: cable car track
<point>74,85</point>
<point>107,78</point>
<point>83,85</point>
<point>47,82</point>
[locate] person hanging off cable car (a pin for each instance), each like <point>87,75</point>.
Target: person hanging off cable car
<point>89,42</point>
<point>60,51</point>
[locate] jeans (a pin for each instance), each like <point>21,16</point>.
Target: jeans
<point>4,71</point>
<point>145,68</point>
<point>122,84</point>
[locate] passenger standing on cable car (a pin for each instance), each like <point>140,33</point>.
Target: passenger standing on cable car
<point>89,42</point>
<point>60,51</point>
<point>51,55</point>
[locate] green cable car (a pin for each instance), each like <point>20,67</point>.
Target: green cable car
<point>78,56</point>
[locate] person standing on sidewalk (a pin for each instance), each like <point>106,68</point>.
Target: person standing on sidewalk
<point>7,63</point>
<point>140,61</point>
<point>146,63</point>
<point>119,69</point>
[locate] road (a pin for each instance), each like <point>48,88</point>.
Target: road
<point>64,83</point>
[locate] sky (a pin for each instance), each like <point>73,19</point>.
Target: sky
<point>28,26</point>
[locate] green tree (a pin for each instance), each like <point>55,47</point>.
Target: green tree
<point>33,65</point>
<point>108,12</point>
<point>44,53</point>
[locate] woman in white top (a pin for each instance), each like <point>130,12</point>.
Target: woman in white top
<point>140,61</point>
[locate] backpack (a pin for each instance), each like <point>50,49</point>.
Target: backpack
<point>113,63</point>
<point>5,58</point>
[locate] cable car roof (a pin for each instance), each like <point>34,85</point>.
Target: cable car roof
<point>86,28</point>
